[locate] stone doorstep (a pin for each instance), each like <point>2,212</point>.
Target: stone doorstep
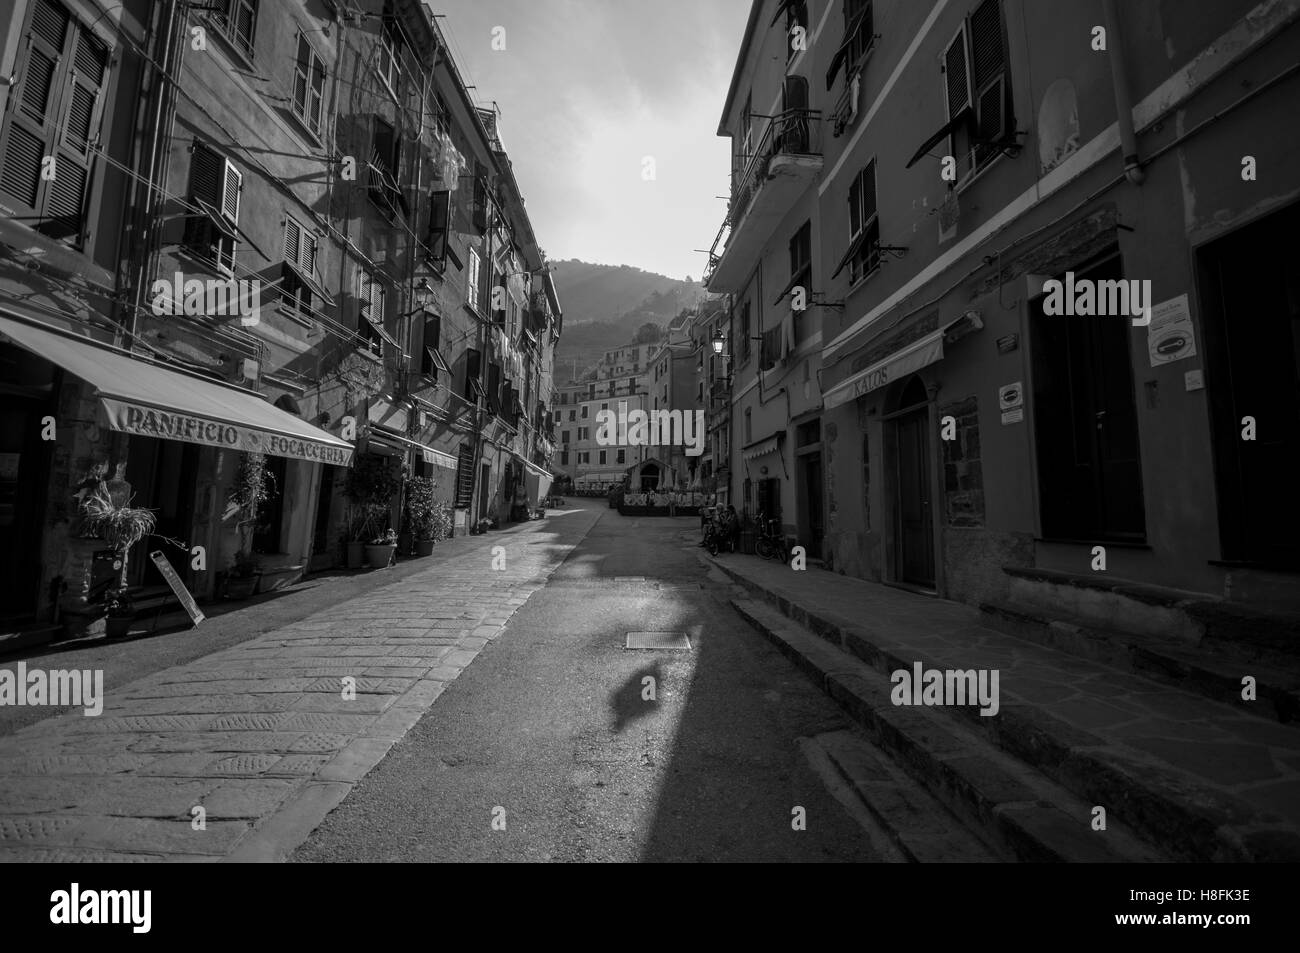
<point>1199,617</point>
<point>1018,813</point>
<point>1200,822</point>
<point>1215,675</point>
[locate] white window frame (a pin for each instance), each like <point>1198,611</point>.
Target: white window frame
<point>304,73</point>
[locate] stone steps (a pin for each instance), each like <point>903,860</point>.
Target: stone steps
<point>1196,779</point>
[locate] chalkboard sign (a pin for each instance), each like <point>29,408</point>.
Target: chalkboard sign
<point>178,587</point>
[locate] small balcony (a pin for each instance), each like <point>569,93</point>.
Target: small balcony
<point>787,159</point>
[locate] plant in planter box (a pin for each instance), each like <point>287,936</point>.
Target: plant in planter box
<point>372,485</point>
<point>109,514</point>
<point>422,513</point>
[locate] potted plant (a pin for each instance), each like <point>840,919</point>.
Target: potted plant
<point>356,536</point>
<point>380,550</point>
<point>422,513</point>
<point>108,512</point>
<point>371,486</point>
<point>253,486</point>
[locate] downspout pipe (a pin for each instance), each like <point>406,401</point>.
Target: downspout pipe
<point>1123,94</point>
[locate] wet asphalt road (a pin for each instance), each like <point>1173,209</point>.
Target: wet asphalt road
<point>549,732</point>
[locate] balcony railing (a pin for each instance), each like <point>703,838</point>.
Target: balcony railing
<point>794,132</point>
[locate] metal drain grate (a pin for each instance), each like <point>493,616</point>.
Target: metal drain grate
<point>672,641</point>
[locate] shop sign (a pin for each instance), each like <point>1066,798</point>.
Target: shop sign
<point>190,428</point>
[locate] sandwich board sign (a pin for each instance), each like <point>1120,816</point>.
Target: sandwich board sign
<point>182,594</point>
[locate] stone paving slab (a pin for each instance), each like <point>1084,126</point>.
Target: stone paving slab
<point>260,735</point>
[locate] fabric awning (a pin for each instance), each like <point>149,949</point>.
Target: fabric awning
<point>915,356</point>
<point>143,398</point>
<point>760,447</point>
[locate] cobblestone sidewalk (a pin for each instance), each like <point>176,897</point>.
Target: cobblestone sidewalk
<point>260,735</point>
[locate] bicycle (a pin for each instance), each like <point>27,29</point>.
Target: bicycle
<point>770,543</point>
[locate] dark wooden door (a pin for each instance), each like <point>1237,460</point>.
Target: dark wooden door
<point>1251,285</point>
<point>812,484</point>
<point>914,509</point>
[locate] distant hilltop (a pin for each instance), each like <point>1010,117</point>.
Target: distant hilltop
<point>605,305</point>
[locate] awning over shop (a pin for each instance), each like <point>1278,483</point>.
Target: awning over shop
<point>760,447</point>
<point>142,398</point>
<point>915,356</point>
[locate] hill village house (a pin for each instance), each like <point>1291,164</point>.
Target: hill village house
<point>909,183</point>
<point>326,155</point>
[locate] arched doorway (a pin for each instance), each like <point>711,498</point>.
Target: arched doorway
<point>649,478</point>
<point>908,468</point>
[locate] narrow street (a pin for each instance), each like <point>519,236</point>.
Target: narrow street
<point>551,722</point>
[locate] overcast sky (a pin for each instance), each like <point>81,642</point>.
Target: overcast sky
<point>587,89</point>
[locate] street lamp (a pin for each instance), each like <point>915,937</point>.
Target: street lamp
<point>718,340</point>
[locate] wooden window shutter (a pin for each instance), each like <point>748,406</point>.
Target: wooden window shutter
<point>955,75</point>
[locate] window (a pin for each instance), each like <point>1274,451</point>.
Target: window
<point>473,296</point>
<point>431,359</point>
<point>978,91</point>
<point>746,136</point>
<point>857,42</point>
<point>585,410</point>
<point>584,433</point>
<point>800,261</point>
<point>564,398</point>
<point>622,457</point>
<point>385,168</point>
<point>603,457</point>
<point>564,436</point>
<point>494,388</point>
<point>440,219</point>
<point>591,391</point>
<point>308,86</point>
<point>55,109</point>
<point>215,185</point>
<point>370,313</point>
<point>238,20</point>
<point>604,406</point>
<point>465,475</point>
<point>749,425</point>
<point>573,415</point>
<point>863,255</point>
<point>744,332</point>
<point>298,284</point>
<point>796,15</point>
<point>473,387</point>
<point>390,51</point>
<point>564,458</point>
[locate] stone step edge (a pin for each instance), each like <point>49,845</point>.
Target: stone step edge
<point>900,805</point>
<point>1025,828</point>
<point>1171,664</point>
<point>1204,824</point>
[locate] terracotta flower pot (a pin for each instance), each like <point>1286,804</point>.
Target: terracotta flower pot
<point>380,556</point>
<point>424,547</point>
<point>355,550</point>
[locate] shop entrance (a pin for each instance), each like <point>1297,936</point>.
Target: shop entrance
<point>26,397</point>
<point>1250,283</point>
<point>162,474</point>
<point>908,443</point>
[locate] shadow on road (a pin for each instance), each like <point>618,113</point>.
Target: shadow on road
<point>628,702</point>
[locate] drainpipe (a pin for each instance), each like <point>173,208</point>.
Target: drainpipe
<point>164,83</point>
<point>1123,98</point>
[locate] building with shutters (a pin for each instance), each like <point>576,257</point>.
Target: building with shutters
<point>973,441</point>
<point>276,229</point>
<point>777,116</point>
